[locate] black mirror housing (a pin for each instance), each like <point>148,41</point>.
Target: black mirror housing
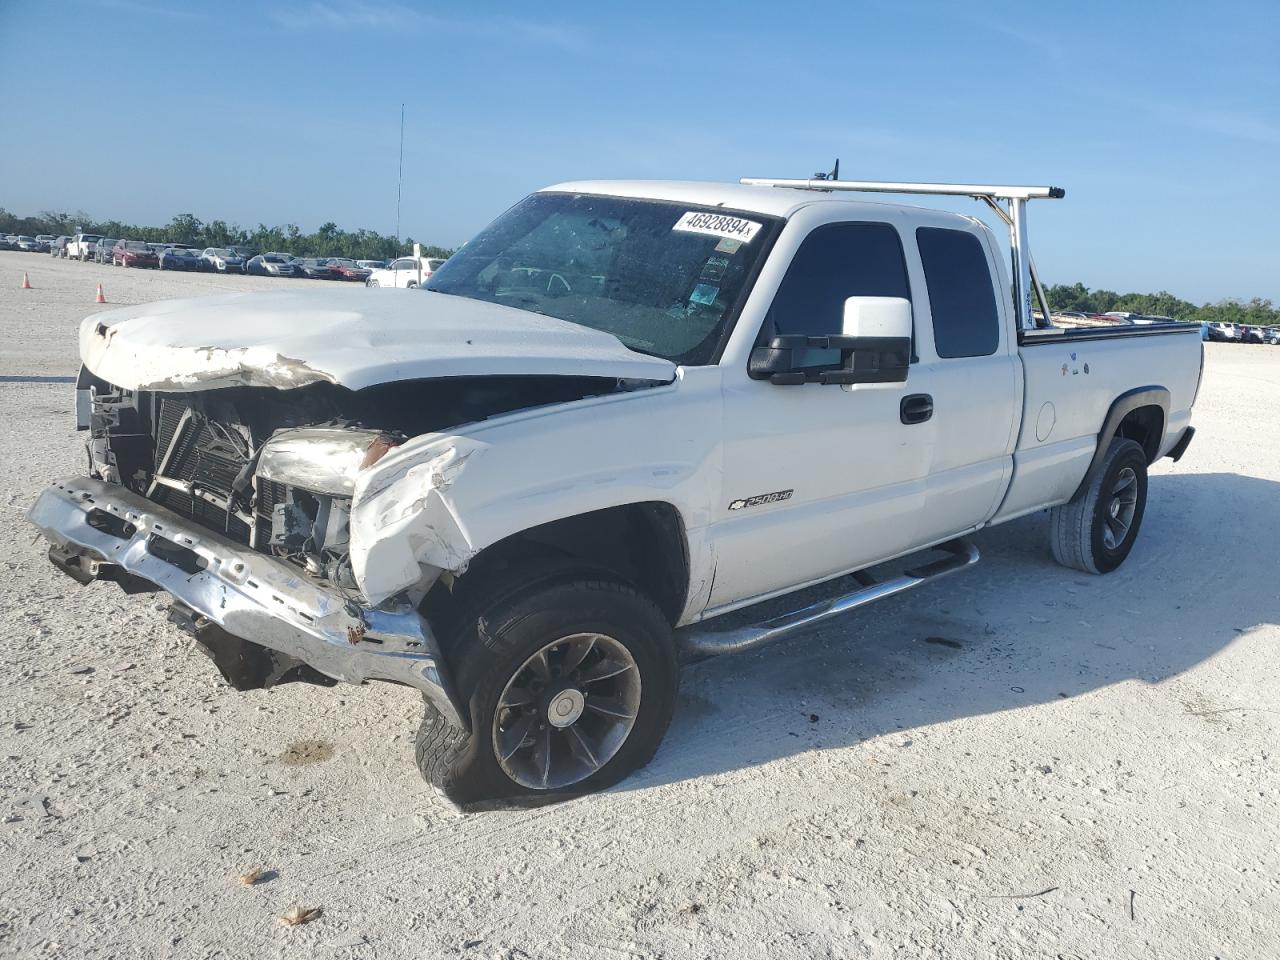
<point>785,361</point>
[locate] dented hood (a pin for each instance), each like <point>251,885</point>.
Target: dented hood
<point>355,337</point>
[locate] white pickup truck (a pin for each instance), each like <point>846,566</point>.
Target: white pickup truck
<point>81,246</point>
<point>620,411</point>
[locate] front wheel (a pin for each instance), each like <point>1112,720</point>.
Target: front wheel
<point>569,685</point>
<point>372,283</point>
<point>1095,531</point>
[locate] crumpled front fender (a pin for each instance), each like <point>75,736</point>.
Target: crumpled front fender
<point>404,524</point>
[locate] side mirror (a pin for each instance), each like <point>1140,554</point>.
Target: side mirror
<point>874,346</point>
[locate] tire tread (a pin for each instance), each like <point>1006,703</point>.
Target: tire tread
<point>1071,523</point>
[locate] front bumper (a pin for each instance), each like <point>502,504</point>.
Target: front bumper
<point>109,529</point>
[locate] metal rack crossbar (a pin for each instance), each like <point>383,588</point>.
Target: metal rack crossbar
<point>1026,279</point>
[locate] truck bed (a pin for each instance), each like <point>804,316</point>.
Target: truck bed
<point>1072,377</point>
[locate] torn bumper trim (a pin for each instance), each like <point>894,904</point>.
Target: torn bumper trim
<point>106,529</point>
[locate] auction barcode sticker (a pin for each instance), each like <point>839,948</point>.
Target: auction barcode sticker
<point>718,225</point>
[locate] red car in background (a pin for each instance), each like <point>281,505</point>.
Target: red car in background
<point>346,269</point>
<point>133,253</point>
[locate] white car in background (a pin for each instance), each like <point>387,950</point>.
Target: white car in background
<point>222,260</point>
<point>404,272</point>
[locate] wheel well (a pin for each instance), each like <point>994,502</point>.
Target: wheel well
<point>1145,425</point>
<point>643,543</point>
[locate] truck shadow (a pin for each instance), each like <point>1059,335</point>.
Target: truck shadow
<point>1015,631</point>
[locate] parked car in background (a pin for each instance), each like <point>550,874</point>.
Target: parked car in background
<point>1271,335</point>
<point>345,268</point>
<point>404,272</point>
<point>26,244</point>
<point>1223,332</point>
<point>133,253</point>
<point>399,273</point>
<point>1253,335</point>
<point>244,253</point>
<point>315,268</point>
<point>58,246</point>
<point>371,264</point>
<point>43,240</point>
<point>271,265</point>
<point>222,260</point>
<point>81,246</point>
<point>180,258</point>
<point>102,249</point>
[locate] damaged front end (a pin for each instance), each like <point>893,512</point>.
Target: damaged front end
<point>239,502</point>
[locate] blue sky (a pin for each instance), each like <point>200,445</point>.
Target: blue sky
<point>1162,120</point>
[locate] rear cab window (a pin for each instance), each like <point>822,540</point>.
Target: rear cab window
<point>966,321</point>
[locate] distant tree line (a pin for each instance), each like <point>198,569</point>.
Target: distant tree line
<point>1255,312</point>
<point>188,229</point>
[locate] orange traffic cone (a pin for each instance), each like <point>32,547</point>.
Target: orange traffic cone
<point>100,298</point>
<point>26,284</point>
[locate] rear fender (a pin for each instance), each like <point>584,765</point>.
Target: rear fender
<point>1121,407</point>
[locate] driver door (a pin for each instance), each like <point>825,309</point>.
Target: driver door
<point>820,479</point>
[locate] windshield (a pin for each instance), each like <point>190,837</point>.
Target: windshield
<point>661,277</point>
<point>137,245</point>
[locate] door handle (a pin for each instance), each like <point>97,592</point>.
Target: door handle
<point>916,408</point>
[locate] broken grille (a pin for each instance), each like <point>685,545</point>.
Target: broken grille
<point>197,462</point>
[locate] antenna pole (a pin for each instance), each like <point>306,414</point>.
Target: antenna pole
<point>400,179</point>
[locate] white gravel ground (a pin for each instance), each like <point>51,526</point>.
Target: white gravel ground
<point>1020,762</point>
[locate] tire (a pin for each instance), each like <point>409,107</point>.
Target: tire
<point>550,622</point>
<point>372,283</point>
<point>411,285</point>
<point>1090,533</point>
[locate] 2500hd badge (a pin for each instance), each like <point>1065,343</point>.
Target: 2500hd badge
<point>776,497</point>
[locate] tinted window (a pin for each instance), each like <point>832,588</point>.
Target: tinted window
<point>835,262</point>
<point>961,294</point>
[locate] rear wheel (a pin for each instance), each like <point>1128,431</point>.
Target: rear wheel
<point>569,685</point>
<point>1095,531</point>
<point>372,283</point>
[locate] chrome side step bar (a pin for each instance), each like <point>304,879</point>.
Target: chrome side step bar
<point>700,641</point>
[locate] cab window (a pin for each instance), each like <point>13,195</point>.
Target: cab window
<point>962,296</point>
<point>835,262</point>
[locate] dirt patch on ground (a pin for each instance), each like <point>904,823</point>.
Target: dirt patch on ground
<point>303,753</point>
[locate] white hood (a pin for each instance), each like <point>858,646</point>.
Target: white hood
<point>356,338</point>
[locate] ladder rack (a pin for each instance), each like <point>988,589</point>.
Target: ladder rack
<point>1026,278</point>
